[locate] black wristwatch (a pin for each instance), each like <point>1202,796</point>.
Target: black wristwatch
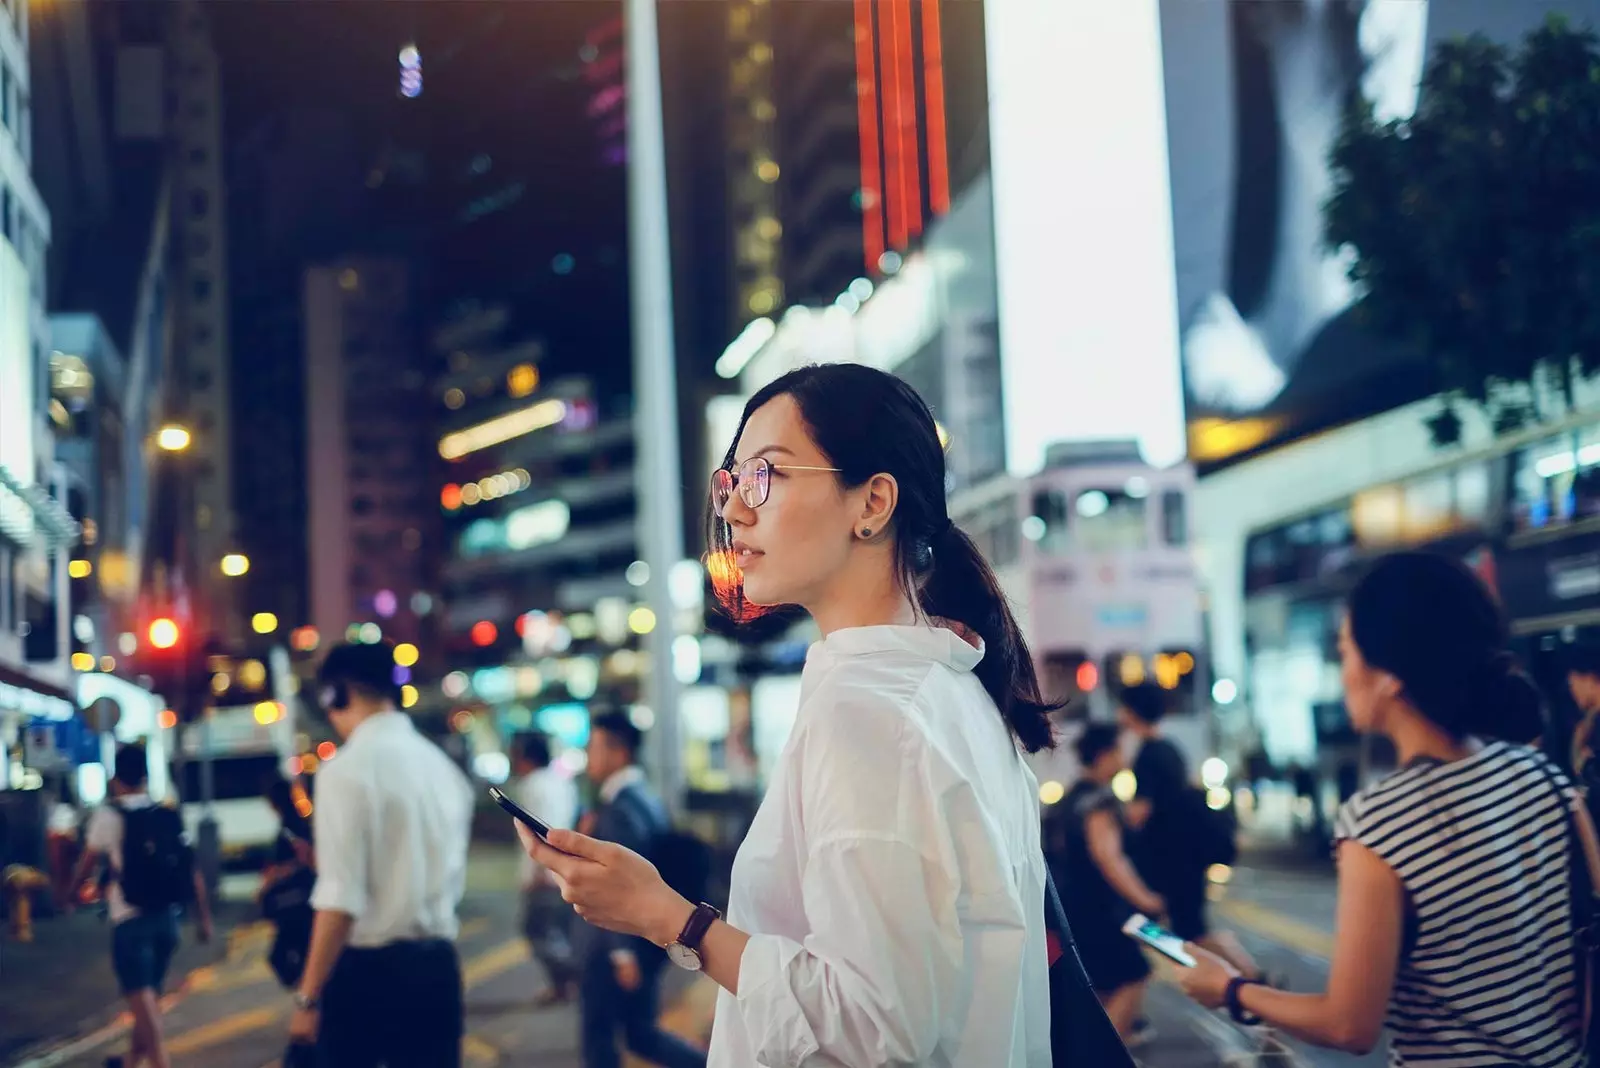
<point>684,951</point>
<point>1231,1000</point>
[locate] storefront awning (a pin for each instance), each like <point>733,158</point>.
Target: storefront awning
<point>20,692</point>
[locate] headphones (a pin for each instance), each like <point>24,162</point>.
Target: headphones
<point>335,696</point>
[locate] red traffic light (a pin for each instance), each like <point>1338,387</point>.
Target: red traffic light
<point>163,633</point>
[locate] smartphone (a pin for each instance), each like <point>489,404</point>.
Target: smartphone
<point>1158,938</point>
<point>538,826</point>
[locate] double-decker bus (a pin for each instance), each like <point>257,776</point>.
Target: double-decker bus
<point>1093,553</point>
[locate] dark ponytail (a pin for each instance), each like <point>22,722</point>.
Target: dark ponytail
<point>1432,624</point>
<point>867,421</point>
<point>959,585</point>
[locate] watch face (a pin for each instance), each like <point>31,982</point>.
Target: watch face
<point>684,957</point>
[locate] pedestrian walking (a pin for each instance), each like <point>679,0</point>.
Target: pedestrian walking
<point>152,876</point>
<point>392,819</point>
<point>1100,888</point>
<point>1178,836</point>
<point>547,920</point>
<point>1455,906</point>
<point>887,905</point>
<point>621,972</point>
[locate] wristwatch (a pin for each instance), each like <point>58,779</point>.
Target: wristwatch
<point>685,950</point>
<point>305,1004</point>
<point>1231,1000</point>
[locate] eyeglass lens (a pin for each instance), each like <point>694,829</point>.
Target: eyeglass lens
<point>753,482</point>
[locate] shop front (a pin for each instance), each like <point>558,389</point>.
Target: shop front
<point>41,739</point>
<point>1549,582</point>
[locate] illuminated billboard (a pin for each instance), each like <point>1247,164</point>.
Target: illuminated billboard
<point>1254,95</point>
<point>1082,227</point>
<point>16,398</point>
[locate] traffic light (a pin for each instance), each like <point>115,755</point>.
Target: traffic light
<point>164,633</point>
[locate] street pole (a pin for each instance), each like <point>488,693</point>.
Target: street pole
<point>657,468</point>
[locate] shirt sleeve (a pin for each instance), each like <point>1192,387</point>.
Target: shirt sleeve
<point>341,825</point>
<point>883,963</point>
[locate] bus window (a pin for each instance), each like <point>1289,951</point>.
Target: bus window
<point>1174,519</point>
<point>234,778</point>
<point>1108,519</point>
<point>1050,507</point>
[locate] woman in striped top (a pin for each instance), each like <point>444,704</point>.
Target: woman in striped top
<point>1454,920</point>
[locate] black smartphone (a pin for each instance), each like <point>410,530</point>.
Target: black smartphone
<point>538,826</point>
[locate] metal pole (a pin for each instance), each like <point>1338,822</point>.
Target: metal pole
<point>657,468</point>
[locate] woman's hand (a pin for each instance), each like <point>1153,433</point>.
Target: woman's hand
<point>1207,982</point>
<point>609,885</point>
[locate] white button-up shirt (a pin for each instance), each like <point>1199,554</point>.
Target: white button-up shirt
<point>892,882</point>
<point>553,797</point>
<point>393,818</point>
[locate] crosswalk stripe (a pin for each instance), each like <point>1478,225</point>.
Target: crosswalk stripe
<point>218,1031</point>
<point>1276,927</point>
<point>477,1051</point>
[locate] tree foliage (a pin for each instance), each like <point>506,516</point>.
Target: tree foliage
<point>1474,225</point>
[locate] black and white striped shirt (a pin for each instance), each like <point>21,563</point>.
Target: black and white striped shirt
<point>1486,973</point>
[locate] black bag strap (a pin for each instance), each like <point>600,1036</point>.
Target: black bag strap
<point>1057,915</point>
<point>1080,1031</point>
<point>1583,856</point>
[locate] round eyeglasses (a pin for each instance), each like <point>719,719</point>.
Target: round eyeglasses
<point>752,480</point>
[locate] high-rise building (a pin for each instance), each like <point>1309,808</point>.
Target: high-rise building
<point>35,529</point>
<point>372,509</point>
<point>298,196</point>
<point>200,383</point>
<point>838,142</point>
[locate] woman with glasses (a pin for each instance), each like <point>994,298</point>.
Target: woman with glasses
<point>887,905</point>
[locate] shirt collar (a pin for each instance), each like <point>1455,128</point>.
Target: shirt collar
<point>378,723</point>
<point>938,643</point>
<point>619,782</point>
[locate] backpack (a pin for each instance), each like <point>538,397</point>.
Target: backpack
<point>157,865</point>
<point>683,860</point>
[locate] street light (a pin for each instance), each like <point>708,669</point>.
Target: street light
<point>235,564</point>
<point>173,438</point>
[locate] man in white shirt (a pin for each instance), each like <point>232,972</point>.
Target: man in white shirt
<point>547,918</point>
<point>393,816</point>
<point>143,898</point>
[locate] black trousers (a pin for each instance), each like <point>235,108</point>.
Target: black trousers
<point>397,1006</point>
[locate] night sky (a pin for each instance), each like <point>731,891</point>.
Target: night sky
<point>502,80</point>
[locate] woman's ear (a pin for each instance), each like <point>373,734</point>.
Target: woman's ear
<point>880,495</point>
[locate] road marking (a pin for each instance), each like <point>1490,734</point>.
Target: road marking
<point>222,1030</point>
<point>474,927</point>
<point>497,961</point>
<point>1276,927</point>
<point>476,1051</point>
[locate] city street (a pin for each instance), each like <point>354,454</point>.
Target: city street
<point>230,1013</point>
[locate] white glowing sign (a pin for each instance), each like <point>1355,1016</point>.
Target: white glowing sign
<point>1083,227</point>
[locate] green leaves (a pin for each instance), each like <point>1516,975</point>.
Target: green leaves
<point>1475,224</point>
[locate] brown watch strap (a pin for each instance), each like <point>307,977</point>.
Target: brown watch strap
<point>699,923</point>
